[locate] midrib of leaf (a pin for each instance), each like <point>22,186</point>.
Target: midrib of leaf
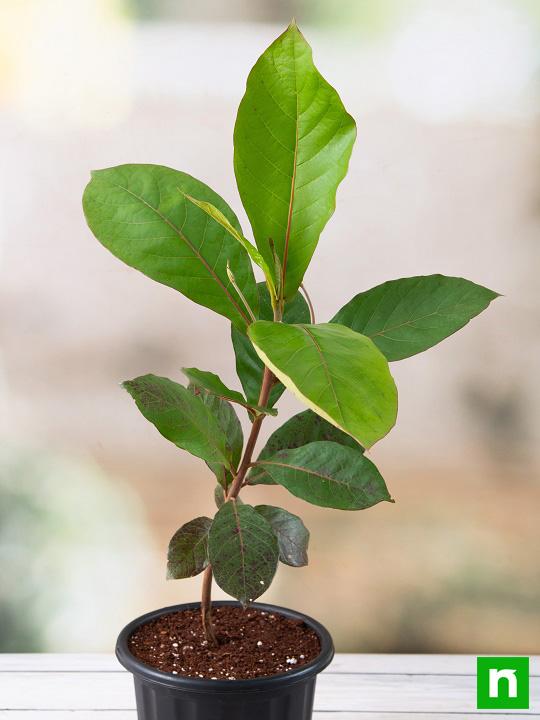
<point>293,181</point>
<point>200,541</point>
<point>380,300</point>
<point>241,541</point>
<point>203,429</point>
<point>295,389</point>
<point>404,324</point>
<point>325,369</point>
<point>308,471</point>
<point>193,250</point>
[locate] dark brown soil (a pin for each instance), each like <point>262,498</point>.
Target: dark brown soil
<point>252,643</point>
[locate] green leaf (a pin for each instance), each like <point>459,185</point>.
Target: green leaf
<point>292,143</point>
<point>327,474</point>
<point>188,549</point>
<point>301,429</point>
<point>141,214</point>
<point>213,384</point>
<point>292,535</point>
<point>243,551</point>
<point>231,429</point>
<point>338,373</point>
<point>249,367</point>
<point>251,250</point>
<point>407,316</point>
<point>219,497</point>
<point>180,416</point>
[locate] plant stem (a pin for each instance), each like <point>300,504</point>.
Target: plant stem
<point>206,608</point>
<point>266,386</point>
<point>236,486</point>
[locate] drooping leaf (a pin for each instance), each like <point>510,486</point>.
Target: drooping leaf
<point>337,372</point>
<point>292,535</point>
<point>301,429</point>
<point>243,551</point>
<point>407,316</point>
<point>141,214</point>
<point>212,383</point>
<point>180,416</point>
<point>249,366</point>
<point>251,250</point>
<point>328,474</point>
<point>188,549</point>
<point>231,428</point>
<point>292,143</point>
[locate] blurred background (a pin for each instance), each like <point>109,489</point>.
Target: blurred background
<point>444,178</point>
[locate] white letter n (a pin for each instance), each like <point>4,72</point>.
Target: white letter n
<point>496,675</point>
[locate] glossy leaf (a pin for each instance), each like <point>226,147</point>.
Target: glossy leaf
<point>251,250</point>
<point>142,215</point>
<point>338,373</point>
<point>212,383</point>
<point>231,429</point>
<point>188,549</point>
<point>249,366</point>
<point>407,316</point>
<point>180,416</point>
<point>243,551</point>
<point>292,535</point>
<point>292,143</point>
<point>301,429</point>
<point>327,474</point>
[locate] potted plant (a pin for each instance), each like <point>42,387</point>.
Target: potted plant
<point>292,143</point>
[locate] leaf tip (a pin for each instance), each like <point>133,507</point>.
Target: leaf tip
<point>293,28</point>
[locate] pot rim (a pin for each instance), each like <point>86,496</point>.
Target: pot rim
<point>195,684</point>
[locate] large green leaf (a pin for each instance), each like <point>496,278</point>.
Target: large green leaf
<point>213,384</point>
<point>142,215</point>
<point>188,549</point>
<point>180,416</point>
<point>301,429</point>
<point>230,426</point>
<point>243,551</point>
<point>292,143</point>
<point>249,366</point>
<point>292,535</point>
<point>407,316</point>
<point>330,475</point>
<point>337,372</point>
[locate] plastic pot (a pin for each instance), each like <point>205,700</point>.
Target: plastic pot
<point>163,696</point>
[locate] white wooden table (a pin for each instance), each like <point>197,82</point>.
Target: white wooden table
<point>355,687</point>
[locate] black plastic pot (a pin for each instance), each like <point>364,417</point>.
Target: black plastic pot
<point>162,696</point>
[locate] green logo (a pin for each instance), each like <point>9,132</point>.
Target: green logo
<point>502,682</point>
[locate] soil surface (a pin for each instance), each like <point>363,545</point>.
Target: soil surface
<point>252,643</point>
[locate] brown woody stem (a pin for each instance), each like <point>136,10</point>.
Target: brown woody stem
<point>206,608</point>
<point>267,382</point>
<point>236,486</point>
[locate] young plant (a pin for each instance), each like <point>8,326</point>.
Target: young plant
<point>292,143</point>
